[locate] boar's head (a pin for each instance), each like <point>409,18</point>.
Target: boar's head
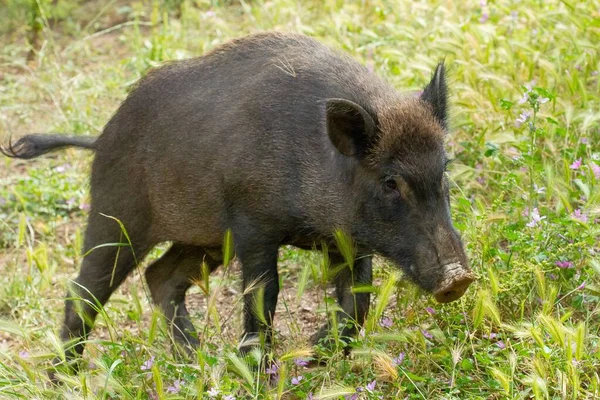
<point>400,189</point>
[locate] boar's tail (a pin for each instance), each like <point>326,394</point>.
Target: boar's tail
<point>32,146</point>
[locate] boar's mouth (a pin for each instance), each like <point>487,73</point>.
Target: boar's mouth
<point>455,280</point>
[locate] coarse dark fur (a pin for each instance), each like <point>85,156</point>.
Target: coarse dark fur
<point>281,140</point>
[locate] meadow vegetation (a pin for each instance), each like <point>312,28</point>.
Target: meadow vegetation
<point>525,139</point>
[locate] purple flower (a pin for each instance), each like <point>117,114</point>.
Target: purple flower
<point>210,13</point>
<point>492,335</point>
<point>229,397</point>
<point>584,140</point>
<point>430,310</point>
<point>564,264</point>
<point>296,380</point>
<point>542,100</point>
<point>272,369</point>
<point>484,17</point>
<point>596,170</point>
<point>84,207</point>
<point>310,396</point>
<point>582,286</point>
<point>552,276</point>
<point>213,392</point>
<point>371,386</point>
<point>147,364</point>
<point>578,215</point>
<point>523,117</point>
<point>24,354</point>
<point>576,164</point>
<point>301,362</point>
<point>524,99</point>
<point>426,334</point>
<point>535,218</point>
<point>594,73</point>
<point>176,387</point>
<point>386,322</point>
<point>351,396</point>
<point>92,365</point>
<point>362,333</point>
<point>398,360</point>
<point>501,345</point>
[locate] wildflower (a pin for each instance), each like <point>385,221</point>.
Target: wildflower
<point>310,396</point>
<point>386,322</point>
<point>523,117</point>
<point>484,17</point>
<point>371,386</point>
<point>564,264</point>
<point>524,99</point>
<point>426,334</point>
<point>210,13</point>
<point>24,354</point>
<point>176,387</point>
<point>542,100</point>
<point>272,369</point>
<point>84,207</point>
<point>492,335</point>
<point>582,286</point>
<point>535,218</point>
<point>296,380</point>
<point>578,215</point>
<point>92,365</point>
<point>596,170</point>
<point>501,345</point>
<point>147,364</point>
<point>514,15</point>
<point>430,310</point>
<point>301,362</point>
<point>229,397</point>
<point>552,276</point>
<point>576,164</point>
<point>213,392</point>
<point>362,333</point>
<point>398,360</point>
<point>584,140</point>
<point>61,168</point>
<point>594,73</point>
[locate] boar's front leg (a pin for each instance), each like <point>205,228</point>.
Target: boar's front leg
<point>260,288</point>
<point>355,306</point>
<point>169,278</point>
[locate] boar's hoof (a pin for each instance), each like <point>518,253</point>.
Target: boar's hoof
<point>455,281</point>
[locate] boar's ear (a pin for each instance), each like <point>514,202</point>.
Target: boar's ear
<point>349,126</point>
<point>436,94</point>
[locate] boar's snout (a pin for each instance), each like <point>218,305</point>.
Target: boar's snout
<point>455,280</point>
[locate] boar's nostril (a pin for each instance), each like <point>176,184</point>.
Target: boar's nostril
<point>454,284</point>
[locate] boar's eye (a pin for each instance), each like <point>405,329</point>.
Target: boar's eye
<point>391,184</point>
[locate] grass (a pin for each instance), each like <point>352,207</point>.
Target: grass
<point>526,198</point>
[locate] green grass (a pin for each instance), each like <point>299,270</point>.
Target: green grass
<point>528,328</point>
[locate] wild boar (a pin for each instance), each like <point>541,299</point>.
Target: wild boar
<point>281,140</point>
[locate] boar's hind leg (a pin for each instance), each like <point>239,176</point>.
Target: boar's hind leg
<point>169,278</point>
<point>261,288</point>
<point>354,306</point>
<point>103,269</point>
